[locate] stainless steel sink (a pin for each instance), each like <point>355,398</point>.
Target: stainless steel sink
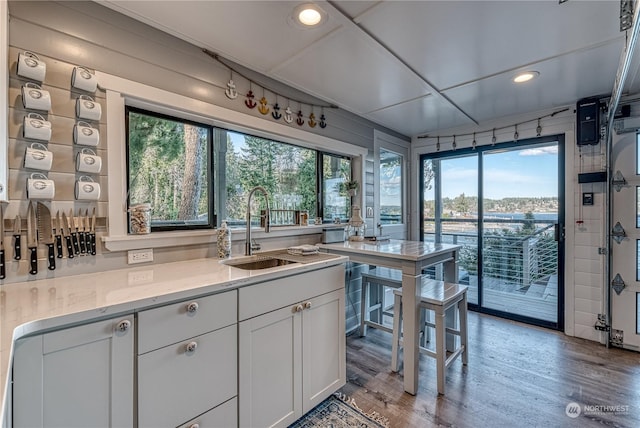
<point>257,262</point>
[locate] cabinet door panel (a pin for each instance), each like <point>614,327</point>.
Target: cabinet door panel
<point>76,377</point>
<point>324,348</point>
<point>175,385</point>
<point>223,416</point>
<point>268,296</point>
<point>270,369</point>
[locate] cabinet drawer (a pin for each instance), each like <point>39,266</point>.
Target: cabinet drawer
<point>174,384</point>
<point>268,296</point>
<point>173,323</point>
<point>223,416</point>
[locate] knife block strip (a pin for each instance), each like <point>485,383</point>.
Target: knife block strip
<point>101,223</point>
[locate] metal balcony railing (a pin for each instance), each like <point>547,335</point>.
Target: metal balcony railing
<point>519,252</point>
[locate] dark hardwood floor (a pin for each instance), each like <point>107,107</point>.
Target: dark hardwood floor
<point>517,376</point>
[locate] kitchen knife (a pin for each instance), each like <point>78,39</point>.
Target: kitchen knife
<point>17,251</point>
<point>32,240</point>
<point>74,232</point>
<point>2,268</point>
<point>92,232</point>
<point>66,232</point>
<point>58,234</point>
<point>45,234</point>
<point>81,233</point>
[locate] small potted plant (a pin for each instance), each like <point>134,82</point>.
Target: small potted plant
<point>350,187</point>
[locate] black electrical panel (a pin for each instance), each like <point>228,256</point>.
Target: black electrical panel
<point>588,115</point>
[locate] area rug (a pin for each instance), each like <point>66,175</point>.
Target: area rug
<point>340,411</point>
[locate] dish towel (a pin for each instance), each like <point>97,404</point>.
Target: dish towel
<point>303,250</point>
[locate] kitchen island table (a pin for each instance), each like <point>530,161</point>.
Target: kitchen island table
<point>411,257</point>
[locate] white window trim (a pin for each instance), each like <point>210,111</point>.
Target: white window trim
<point>121,92</point>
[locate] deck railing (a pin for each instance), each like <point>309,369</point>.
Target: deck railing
<point>519,252</point>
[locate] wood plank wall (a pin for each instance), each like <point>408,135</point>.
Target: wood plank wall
<point>66,34</point>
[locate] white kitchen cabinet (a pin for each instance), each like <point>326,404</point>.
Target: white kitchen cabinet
<point>76,377</point>
<point>223,416</point>
<point>293,357</point>
<point>195,369</point>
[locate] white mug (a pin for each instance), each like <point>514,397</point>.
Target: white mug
<point>87,189</point>
<point>83,79</point>
<point>87,108</point>
<point>85,135</point>
<point>37,156</point>
<point>88,161</point>
<point>35,98</point>
<point>40,187</point>
<point>31,67</point>
<point>35,127</point>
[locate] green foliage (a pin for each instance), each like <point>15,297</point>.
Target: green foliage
<point>287,172</point>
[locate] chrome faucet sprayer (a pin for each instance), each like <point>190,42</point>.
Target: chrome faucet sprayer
<point>248,250</point>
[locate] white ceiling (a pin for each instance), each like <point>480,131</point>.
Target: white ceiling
<point>413,66</point>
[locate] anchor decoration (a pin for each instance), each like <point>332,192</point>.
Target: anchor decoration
<point>300,120</point>
<point>249,102</point>
<point>231,92</point>
<point>276,112</point>
<point>288,115</point>
<point>312,120</point>
<point>323,122</point>
<point>264,108</point>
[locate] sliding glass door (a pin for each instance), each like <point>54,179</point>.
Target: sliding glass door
<point>504,205</point>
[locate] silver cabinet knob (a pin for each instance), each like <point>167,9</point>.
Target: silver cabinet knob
<point>307,305</point>
<point>298,308</point>
<point>190,347</point>
<point>194,426</point>
<point>123,325</point>
<point>192,307</point>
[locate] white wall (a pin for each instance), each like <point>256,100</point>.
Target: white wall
<point>584,267</point>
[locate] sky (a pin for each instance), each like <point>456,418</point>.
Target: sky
<point>515,173</point>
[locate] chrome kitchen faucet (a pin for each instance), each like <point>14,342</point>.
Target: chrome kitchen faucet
<point>248,249</point>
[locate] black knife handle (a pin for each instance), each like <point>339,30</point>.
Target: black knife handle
<point>51,257</point>
<point>3,273</point>
<point>17,251</point>
<point>67,239</point>
<point>83,242</point>
<point>33,259</point>
<point>59,245</point>
<point>92,240</point>
<point>76,244</point>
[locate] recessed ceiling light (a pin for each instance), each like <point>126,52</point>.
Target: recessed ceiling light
<point>526,76</point>
<point>308,14</point>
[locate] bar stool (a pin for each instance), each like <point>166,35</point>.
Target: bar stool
<point>439,297</point>
<point>379,277</point>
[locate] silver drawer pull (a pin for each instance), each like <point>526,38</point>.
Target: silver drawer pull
<point>307,305</point>
<point>298,308</point>
<point>192,307</point>
<point>194,426</point>
<point>190,347</point>
<point>123,325</point>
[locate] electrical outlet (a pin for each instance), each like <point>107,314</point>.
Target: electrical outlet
<point>140,256</point>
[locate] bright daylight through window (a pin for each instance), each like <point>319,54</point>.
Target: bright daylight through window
<point>171,167</point>
<point>168,162</point>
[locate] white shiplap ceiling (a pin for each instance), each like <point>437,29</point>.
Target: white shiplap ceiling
<point>413,66</point>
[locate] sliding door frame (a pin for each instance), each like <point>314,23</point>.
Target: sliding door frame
<point>478,151</point>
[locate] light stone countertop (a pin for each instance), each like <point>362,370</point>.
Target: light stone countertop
<point>393,248</point>
<point>34,306</point>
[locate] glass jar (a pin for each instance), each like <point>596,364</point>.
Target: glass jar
<point>224,241</point>
<point>140,219</point>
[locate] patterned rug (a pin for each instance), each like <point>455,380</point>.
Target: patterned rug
<point>340,411</point>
